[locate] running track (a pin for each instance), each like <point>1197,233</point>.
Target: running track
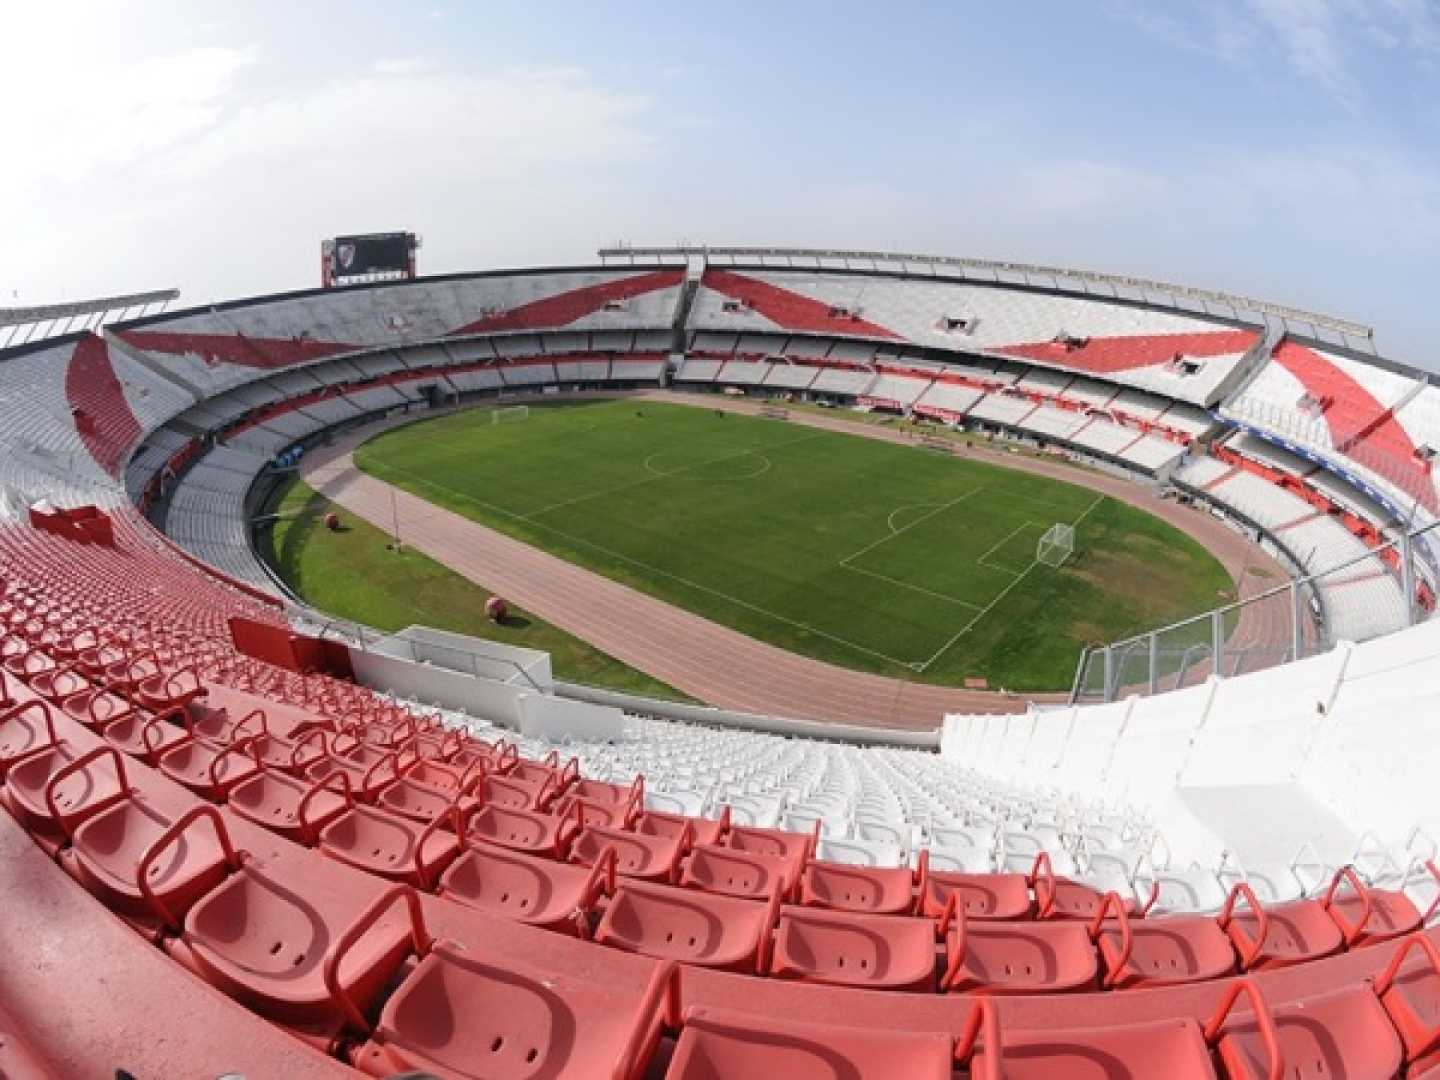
<point>704,659</point>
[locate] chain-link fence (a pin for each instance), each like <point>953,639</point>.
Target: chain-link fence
<point>1384,590</point>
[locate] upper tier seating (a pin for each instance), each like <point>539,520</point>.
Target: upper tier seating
<point>1345,411</point>
<point>1125,343</point>
<point>220,348</point>
<point>1360,595</point>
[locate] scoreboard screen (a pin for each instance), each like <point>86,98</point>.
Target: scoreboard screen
<point>368,255</point>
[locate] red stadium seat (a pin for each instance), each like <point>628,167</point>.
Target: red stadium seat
<point>96,707</point>
<point>456,1015</point>
<point>1280,935</point>
<point>1015,957</point>
<point>510,793</point>
<point>294,809</point>
<point>146,737</point>
<point>24,728</point>
<point>610,794</point>
<point>1412,996</point>
<point>703,830</point>
<point>435,775</point>
<point>108,852</point>
<point>845,949</point>
<point>1159,952</point>
<point>877,890</point>
<point>424,791</point>
<point>366,781</point>
<point>293,755</point>
<point>648,858</point>
<point>982,896</point>
<point>540,892</point>
<point>166,691</point>
<point>1174,1049</point>
<point>1366,916</point>
<point>544,780</point>
<point>714,1043</point>
<point>735,873</point>
<point>690,926</point>
<point>394,847</point>
<point>796,849</point>
<point>1343,1033</point>
<point>605,815</point>
<point>53,791</point>
<point>524,830</point>
<point>211,769</point>
<point>1061,898</point>
<point>497,759</point>
<point>59,684</point>
<point>273,943</point>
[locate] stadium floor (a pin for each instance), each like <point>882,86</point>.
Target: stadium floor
<point>694,654</point>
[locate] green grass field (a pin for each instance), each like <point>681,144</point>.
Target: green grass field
<point>885,558</point>
<point>354,574</point>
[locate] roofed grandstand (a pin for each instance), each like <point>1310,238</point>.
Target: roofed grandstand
<point>271,842</point>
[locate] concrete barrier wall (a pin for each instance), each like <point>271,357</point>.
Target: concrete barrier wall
<point>774,725</point>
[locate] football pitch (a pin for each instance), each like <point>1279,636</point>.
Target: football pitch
<point>887,558</point>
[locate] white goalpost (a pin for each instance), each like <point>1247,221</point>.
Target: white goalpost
<point>510,414</point>
<point>1057,545</point>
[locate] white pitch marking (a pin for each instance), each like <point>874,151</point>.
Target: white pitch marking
<point>890,521</point>
<point>906,528</point>
<point>662,573</point>
<point>657,474</point>
<point>1005,540</point>
<point>1034,563</point>
<point>912,588</point>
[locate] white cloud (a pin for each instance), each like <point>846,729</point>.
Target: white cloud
<point>404,65</point>
<point>1318,40</point>
<point>444,125</point>
<point>110,113</point>
<point>1311,33</point>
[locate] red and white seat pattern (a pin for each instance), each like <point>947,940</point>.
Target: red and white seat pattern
<point>1123,342</point>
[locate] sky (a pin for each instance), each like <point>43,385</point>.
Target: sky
<point>1287,149</point>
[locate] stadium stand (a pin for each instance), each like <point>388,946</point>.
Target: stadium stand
<point>1183,357</point>
<point>310,877</point>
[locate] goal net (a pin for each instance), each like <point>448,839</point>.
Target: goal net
<point>1057,545</point>
<point>510,414</point>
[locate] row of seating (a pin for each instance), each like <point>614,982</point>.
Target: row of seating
<point>188,890</point>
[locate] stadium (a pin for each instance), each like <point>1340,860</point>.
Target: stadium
<point>707,662</point>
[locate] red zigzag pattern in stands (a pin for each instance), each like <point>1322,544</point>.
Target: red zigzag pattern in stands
<point>253,352</point>
<point>108,427</point>
<point>566,307</point>
<point>1108,354</point>
<point>1356,411</point>
<point>789,309</point>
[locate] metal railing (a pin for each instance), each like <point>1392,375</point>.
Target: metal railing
<point>368,639</point>
<point>1307,615</point>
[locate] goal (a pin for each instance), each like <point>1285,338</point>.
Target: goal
<point>510,414</point>
<point>1057,545</point>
